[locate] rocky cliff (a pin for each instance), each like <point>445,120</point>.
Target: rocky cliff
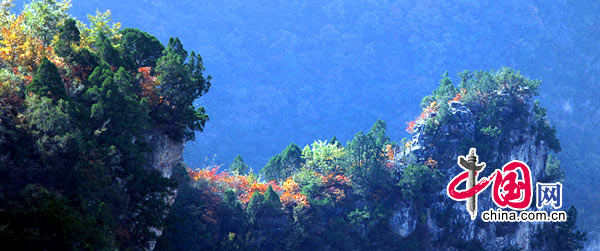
<point>445,222</point>
<point>165,156</point>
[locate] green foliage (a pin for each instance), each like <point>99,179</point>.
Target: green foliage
<point>107,52</point>
<point>419,183</point>
<point>52,126</point>
<point>68,37</point>
<point>75,163</point>
<point>379,133</point>
<point>99,24</point>
<point>322,156</point>
<point>546,132</point>
<point>365,162</point>
<point>445,91</point>
<point>43,219</point>
<point>47,82</point>
<point>238,166</point>
<point>283,165</point>
<point>553,172</point>
<point>140,48</point>
<point>181,82</point>
<point>491,131</point>
<point>271,198</point>
<point>189,225</point>
<point>43,17</point>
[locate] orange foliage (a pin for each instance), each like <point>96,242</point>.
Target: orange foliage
<point>20,49</point>
<point>459,96</point>
<point>425,114</point>
<point>430,162</point>
<point>244,186</point>
<point>335,186</point>
<point>149,84</point>
<point>389,153</point>
<point>291,195</point>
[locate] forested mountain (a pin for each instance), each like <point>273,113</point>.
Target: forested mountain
<point>87,113</point>
<point>295,71</point>
<point>95,110</point>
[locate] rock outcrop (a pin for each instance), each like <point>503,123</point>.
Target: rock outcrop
<point>447,219</point>
<point>166,155</point>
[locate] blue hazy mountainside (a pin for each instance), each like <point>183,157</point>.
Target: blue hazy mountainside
<point>296,71</point>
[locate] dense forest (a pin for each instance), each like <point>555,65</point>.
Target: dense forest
<point>77,102</point>
<point>295,71</point>
<point>82,101</point>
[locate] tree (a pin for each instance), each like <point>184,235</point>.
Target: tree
<point>419,182</point>
<point>68,37</point>
<point>284,164</point>
<point>52,126</point>
<point>323,157</point>
<point>43,17</point>
<point>365,162</point>
<point>335,141</point>
<point>6,16</point>
<point>238,166</point>
<point>181,82</point>
<point>378,132</point>
<point>19,48</point>
<point>140,48</point>
<point>47,82</point>
<point>271,198</point>
<point>107,52</point>
<point>99,24</point>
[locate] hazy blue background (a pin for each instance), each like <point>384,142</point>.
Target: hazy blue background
<point>295,71</point>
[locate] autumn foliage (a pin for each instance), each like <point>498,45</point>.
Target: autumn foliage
<point>19,48</point>
<point>149,85</point>
<point>245,185</point>
<point>425,114</point>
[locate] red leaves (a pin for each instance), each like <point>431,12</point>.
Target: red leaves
<point>425,114</point>
<point>245,185</point>
<point>149,84</point>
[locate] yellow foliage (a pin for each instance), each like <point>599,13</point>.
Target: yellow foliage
<point>17,48</point>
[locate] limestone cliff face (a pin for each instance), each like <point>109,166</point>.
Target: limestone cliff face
<point>166,155</point>
<point>447,219</point>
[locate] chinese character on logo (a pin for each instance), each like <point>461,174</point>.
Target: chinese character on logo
<point>509,190</point>
<point>548,194</point>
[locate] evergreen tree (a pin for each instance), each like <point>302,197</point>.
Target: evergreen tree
<point>446,90</point>
<point>271,198</point>
<point>238,166</point>
<point>68,36</point>
<point>47,82</point>
<point>140,48</point>
<point>378,132</point>
<point>284,164</point>
<point>335,141</point>
<point>181,83</point>
<point>107,52</point>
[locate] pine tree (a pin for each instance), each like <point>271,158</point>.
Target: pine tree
<point>140,48</point>
<point>271,198</point>
<point>284,164</point>
<point>238,166</point>
<point>47,82</point>
<point>107,52</point>
<point>68,36</point>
